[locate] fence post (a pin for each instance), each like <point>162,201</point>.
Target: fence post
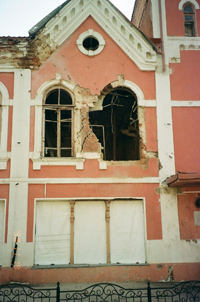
<point>149,291</point>
<point>58,292</point>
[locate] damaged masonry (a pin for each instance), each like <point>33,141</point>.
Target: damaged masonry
<point>99,145</point>
<point>115,125</point>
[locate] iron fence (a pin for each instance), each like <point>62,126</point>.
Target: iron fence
<point>103,292</point>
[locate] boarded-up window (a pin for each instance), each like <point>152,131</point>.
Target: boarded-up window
<point>90,233</point>
<point>98,229</point>
<point>127,232</point>
<point>2,219</point>
<point>52,235</point>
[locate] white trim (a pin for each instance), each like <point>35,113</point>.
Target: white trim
<point>3,202</point>
<point>37,163</point>
<point>88,180</point>
<point>86,34</point>
<point>164,126</point>
<point>185,103</point>
<point>48,84</point>
<point>133,87</point>
<point>5,94</point>
<point>4,126</point>
<point>125,35</point>
<point>155,19</point>
<point>182,2</point>
<point>38,110</point>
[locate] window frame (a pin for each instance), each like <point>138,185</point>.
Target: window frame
<point>193,21</point>
<point>58,108</point>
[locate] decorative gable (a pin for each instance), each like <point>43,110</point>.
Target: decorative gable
<point>61,24</point>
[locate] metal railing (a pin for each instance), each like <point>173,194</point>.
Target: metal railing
<point>103,292</point>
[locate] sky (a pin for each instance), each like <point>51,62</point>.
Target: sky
<point>17,17</point>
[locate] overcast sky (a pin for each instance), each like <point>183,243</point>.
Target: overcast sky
<point>17,17</point>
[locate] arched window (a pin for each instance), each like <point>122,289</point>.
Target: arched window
<point>116,126</point>
<point>189,20</point>
<point>58,116</point>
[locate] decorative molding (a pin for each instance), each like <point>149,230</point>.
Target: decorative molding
<point>185,103</point>
<point>5,102</point>
<point>133,87</point>
<point>90,33</point>
<point>182,2</point>
<point>3,163</point>
<point>138,48</point>
<point>38,163</point>
<point>4,93</point>
<point>87,180</point>
<point>50,84</point>
<point>177,44</point>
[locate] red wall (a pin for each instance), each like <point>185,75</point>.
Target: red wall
<point>185,77</point>
<point>186,126</point>
<point>186,209</point>
<point>151,129</point>
<point>7,78</point>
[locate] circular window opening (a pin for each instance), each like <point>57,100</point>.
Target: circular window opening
<point>90,43</point>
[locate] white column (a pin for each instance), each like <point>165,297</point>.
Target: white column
<point>165,127</point>
<point>155,18</point>
<point>17,216</point>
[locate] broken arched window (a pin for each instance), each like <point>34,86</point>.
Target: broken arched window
<point>116,125</point>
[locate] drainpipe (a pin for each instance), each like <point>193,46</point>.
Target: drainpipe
<point>161,35</point>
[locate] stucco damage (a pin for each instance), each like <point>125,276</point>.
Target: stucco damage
<point>23,52</point>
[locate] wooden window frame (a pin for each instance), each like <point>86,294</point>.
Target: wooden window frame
<point>193,21</point>
<point>58,108</point>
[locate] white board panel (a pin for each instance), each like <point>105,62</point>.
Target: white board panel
<point>127,232</point>
<point>52,236</point>
<point>2,219</point>
<point>90,233</point>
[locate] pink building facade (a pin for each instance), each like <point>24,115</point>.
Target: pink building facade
<point>100,140</point>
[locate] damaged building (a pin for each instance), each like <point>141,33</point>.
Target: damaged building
<point>99,145</point>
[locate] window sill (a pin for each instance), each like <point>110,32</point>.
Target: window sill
<point>85,265</point>
<point>51,161</point>
<point>80,158</point>
<point>3,163</point>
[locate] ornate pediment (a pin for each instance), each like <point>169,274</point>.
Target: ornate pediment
<point>55,28</point>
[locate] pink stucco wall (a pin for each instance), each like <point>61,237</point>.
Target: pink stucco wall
<point>92,72</point>
<point>185,77</point>
<point>186,125</point>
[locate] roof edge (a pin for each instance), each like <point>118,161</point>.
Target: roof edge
<point>183,179</point>
<point>36,28</point>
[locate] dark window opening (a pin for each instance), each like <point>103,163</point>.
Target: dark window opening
<point>197,202</point>
<point>58,124</point>
<point>189,21</point>
<point>90,43</point>
<point>117,127</point>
